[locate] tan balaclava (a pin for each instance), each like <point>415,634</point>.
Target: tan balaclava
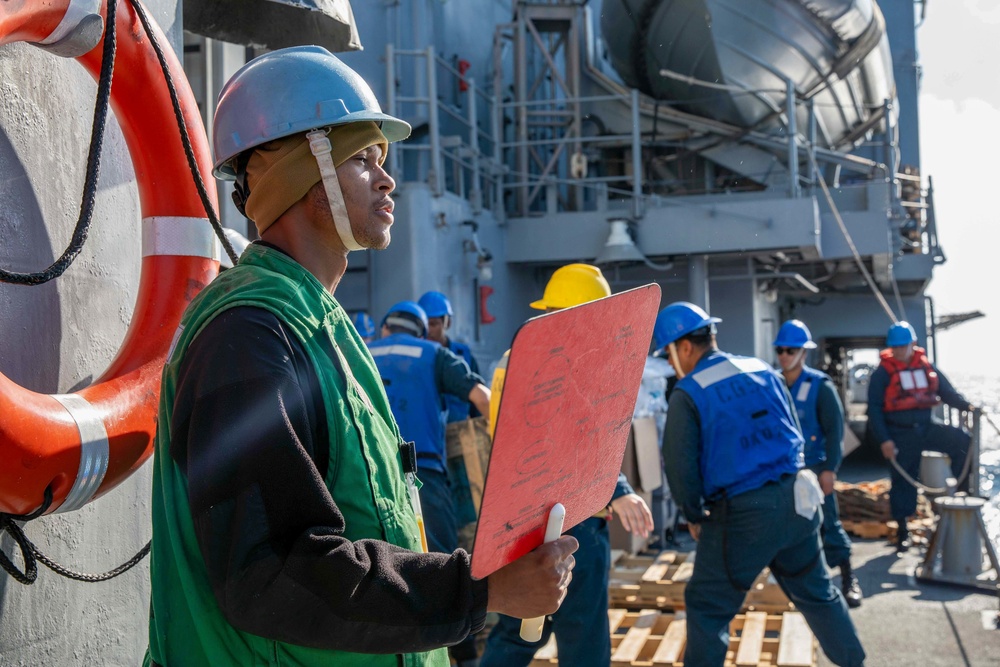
<point>281,172</point>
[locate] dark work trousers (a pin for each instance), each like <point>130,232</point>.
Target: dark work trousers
<point>836,543</point>
<point>760,528</point>
<point>910,442</point>
<point>442,532</point>
<point>439,511</point>
<point>583,638</point>
<point>664,511</point>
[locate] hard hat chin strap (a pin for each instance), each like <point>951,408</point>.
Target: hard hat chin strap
<point>675,360</point>
<point>320,147</point>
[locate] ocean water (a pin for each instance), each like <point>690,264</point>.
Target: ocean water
<point>984,391</point>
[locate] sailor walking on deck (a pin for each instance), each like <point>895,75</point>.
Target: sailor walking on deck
<point>733,453</point>
<point>418,374</point>
<point>821,416</point>
<point>439,316</point>
<point>901,394</point>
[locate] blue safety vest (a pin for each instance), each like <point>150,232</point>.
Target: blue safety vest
<point>748,430</point>
<point>805,392</point>
<point>406,364</point>
<point>457,408</point>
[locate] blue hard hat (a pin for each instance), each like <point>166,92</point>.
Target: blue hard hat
<point>794,333</point>
<point>679,319</point>
<point>289,91</point>
<point>900,333</point>
<point>365,325</point>
<point>435,304</point>
<point>408,315</point>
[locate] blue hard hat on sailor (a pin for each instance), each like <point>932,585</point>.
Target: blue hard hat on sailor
<point>365,325</point>
<point>794,333</point>
<point>435,304</point>
<point>900,333</point>
<point>408,315</point>
<point>678,320</point>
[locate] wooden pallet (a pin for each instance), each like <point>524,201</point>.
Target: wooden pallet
<point>869,502</point>
<point>468,447</point>
<point>920,529</point>
<point>645,582</point>
<point>651,638</point>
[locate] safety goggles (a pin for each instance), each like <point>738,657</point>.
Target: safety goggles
<point>786,350</point>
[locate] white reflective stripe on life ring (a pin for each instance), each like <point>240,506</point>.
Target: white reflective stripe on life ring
<point>75,13</point>
<point>94,451</point>
<point>189,237</point>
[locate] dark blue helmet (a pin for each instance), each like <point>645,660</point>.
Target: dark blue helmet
<point>794,333</point>
<point>679,319</point>
<point>900,333</point>
<point>435,304</point>
<point>409,316</point>
<point>365,325</point>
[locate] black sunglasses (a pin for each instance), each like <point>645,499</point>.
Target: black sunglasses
<point>786,350</point>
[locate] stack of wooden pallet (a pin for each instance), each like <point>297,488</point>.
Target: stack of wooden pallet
<point>645,582</point>
<point>652,637</point>
<point>864,510</point>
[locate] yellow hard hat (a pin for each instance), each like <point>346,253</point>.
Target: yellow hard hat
<point>572,285</point>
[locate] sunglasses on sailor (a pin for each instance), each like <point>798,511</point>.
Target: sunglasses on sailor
<point>786,350</point>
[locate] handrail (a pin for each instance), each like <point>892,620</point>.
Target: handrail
<point>460,151</point>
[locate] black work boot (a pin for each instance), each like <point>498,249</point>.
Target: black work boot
<point>849,585</point>
<point>903,543</point>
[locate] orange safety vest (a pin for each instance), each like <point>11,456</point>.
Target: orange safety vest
<point>912,386</point>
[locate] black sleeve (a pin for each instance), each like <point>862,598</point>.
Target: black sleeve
<point>473,364</point>
<point>682,454</point>
<point>474,367</point>
<point>269,531</point>
<point>452,375</point>
<point>830,413</point>
<point>878,384</point>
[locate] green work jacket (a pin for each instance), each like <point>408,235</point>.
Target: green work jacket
<point>187,627</point>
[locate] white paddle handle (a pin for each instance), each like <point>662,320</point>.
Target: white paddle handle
<point>531,628</point>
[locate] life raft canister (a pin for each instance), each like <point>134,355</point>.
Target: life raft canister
<point>83,444</point>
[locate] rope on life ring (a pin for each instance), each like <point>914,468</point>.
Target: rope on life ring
<point>80,445</point>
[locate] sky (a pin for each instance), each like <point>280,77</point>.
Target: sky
<point>959,47</point>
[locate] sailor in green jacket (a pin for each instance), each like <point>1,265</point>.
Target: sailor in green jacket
<point>283,532</point>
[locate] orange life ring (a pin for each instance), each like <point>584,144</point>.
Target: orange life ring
<point>81,445</point>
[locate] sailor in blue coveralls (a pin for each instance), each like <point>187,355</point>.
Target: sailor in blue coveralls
<point>417,374</point>
<point>733,454</point>
<point>439,317</point>
<point>821,416</point>
<point>902,393</point>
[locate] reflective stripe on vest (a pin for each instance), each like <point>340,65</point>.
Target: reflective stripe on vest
<point>805,393</point>
<point>406,365</point>
<point>748,431</point>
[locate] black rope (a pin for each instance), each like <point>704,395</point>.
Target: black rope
<point>82,229</point>
<point>32,555</point>
<point>185,138</point>
<point>30,573</point>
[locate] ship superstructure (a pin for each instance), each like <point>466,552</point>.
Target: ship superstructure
<point>686,143</point>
